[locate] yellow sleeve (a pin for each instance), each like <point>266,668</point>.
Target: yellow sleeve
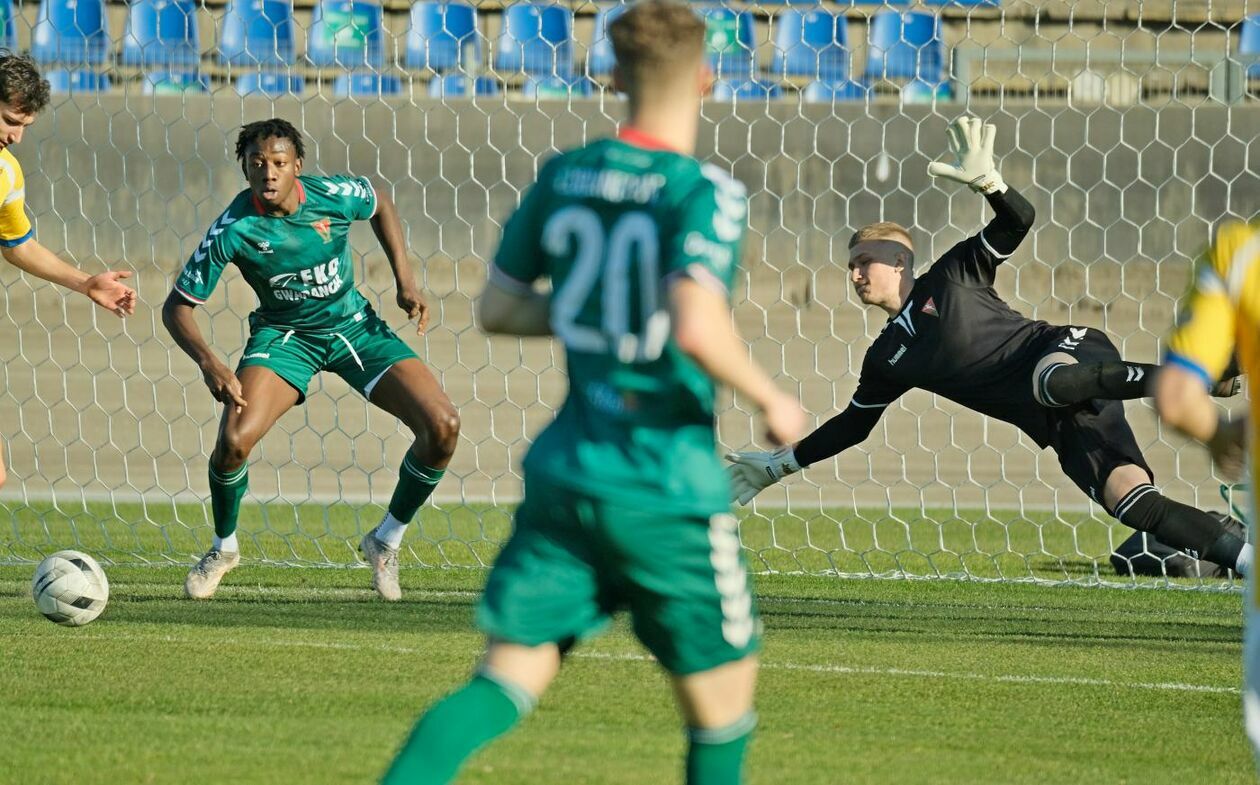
<point>15,226</point>
<point>1204,338</point>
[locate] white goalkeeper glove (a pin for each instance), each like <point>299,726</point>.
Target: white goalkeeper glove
<point>752,472</point>
<point>971,142</point>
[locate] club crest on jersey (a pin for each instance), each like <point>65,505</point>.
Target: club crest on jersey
<point>929,308</point>
<point>1077,334</point>
<point>324,227</point>
<point>264,246</point>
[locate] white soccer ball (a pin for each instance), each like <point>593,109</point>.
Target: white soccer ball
<point>70,588</point>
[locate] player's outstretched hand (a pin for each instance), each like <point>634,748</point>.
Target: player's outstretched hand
<point>971,142</point>
<point>752,472</point>
<point>224,385</point>
<point>411,301</point>
<point>107,291</point>
<point>1229,448</point>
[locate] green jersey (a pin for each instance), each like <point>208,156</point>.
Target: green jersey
<point>611,224</point>
<point>299,265</point>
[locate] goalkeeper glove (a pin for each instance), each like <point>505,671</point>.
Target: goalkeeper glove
<point>751,472</point>
<point>971,142</point>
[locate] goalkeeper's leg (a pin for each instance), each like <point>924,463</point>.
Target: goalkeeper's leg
<point>267,397</point>
<point>502,691</point>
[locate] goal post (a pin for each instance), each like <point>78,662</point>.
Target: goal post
<point>1129,161</point>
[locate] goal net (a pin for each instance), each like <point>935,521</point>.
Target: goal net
<point>1130,126</point>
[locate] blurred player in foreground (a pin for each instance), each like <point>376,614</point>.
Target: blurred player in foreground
<point>626,503</point>
<point>289,235</point>
<point>1220,318</point>
<point>951,334</point>
<point>24,94</point>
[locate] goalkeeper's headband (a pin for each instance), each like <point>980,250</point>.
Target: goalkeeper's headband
<point>884,251</point>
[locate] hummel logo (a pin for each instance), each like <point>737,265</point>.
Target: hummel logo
<point>1077,335</point>
<point>897,356</point>
<point>1134,374</point>
<point>929,308</point>
<point>264,246</point>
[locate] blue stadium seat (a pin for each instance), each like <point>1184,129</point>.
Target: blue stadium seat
<point>968,3</point>
<point>8,34</point>
<point>745,90</point>
<point>555,87</point>
<point>77,81</point>
<point>168,81</point>
<point>536,39</point>
<point>162,32</point>
<point>71,32</point>
<point>443,36</point>
<point>811,43</point>
<point>826,92</point>
<point>1249,44</point>
<point>906,45</point>
<point>459,86</point>
<point>257,32</point>
<point>729,40</point>
<point>600,58</point>
<point>346,33</point>
<point>270,84</point>
<point>366,85</point>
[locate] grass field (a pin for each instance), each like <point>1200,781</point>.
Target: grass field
<point>300,675</point>
<point>1068,546</point>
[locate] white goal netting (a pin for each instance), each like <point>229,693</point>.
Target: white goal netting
<point>1130,126</point>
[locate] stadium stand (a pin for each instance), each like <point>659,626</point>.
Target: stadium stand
<point>258,33</point>
<point>730,40</point>
<point>600,59</point>
<point>906,46</point>
<point>366,85</point>
<point>270,83</point>
<point>442,36</point>
<point>461,86</point>
<point>71,32</point>
<point>813,43</point>
<point>537,40</point>
<point>346,34</point>
<point>162,32</point>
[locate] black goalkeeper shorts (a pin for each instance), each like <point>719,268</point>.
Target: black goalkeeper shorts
<point>1092,438</point>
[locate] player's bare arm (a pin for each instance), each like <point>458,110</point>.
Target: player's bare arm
<point>511,308</point>
<point>389,231</point>
<point>178,318</point>
<point>1184,403</point>
<point>704,331</point>
<point>105,289</point>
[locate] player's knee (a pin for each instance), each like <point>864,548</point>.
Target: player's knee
<point>234,446</point>
<point>1041,376</point>
<point>443,427</point>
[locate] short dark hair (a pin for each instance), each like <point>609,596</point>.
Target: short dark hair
<point>22,86</point>
<point>656,38</point>
<point>274,128</point>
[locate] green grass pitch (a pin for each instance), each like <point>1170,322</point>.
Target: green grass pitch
<point>300,675</point>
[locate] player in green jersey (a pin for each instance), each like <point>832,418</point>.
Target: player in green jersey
<point>288,235</point>
<point>626,503</point>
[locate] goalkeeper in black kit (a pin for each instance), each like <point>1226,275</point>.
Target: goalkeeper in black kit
<point>950,334</point>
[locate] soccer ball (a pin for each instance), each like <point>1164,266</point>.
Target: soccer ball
<point>70,588</point>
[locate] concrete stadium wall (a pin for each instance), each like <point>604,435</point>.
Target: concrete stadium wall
<point>1125,198</point>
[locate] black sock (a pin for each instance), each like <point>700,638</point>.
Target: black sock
<point>1066,384</point>
<point>1198,533</point>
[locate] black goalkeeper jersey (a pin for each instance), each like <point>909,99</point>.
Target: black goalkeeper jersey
<point>957,338</point>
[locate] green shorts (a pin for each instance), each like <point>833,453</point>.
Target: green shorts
<point>360,352</point>
<point>573,560</point>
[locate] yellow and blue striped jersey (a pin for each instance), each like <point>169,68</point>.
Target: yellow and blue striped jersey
<point>1221,314</point>
<point>15,226</point>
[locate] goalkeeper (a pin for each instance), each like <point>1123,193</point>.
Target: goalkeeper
<point>950,334</point>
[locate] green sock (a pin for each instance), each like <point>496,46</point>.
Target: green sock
<point>454,728</point>
<point>226,492</point>
<point>716,755</point>
<point>415,484</point>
